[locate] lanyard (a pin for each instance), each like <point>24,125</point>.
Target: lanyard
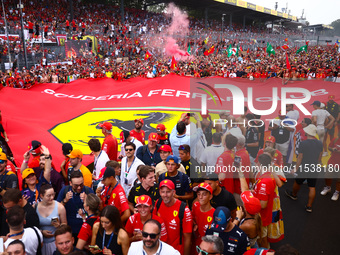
<point>107,197</point>
<point>17,234</point>
<point>108,244</point>
<point>127,171</point>
<point>151,157</point>
<point>96,161</point>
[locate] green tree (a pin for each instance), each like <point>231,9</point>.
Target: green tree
<point>336,25</point>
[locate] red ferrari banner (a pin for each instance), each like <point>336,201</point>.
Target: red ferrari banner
<point>58,113</point>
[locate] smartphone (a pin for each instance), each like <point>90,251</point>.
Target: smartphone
<point>55,219</point>
<point>190,114</point>
<point>237,161</point>
<point>27,193</point>
<point>1,245</point>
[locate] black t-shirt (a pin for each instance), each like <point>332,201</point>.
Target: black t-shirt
<point>235,241</point>
<point>182,182</point>
<point>311,149</point>
<point>225,198</point>
<point>190,167</point>
<point>252,136</point>
<point>138,190</point>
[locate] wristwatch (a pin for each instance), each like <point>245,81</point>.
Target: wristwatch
<point>48,157</point>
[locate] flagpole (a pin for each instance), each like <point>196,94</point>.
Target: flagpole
<point>6,28</point>
<point>22,33</point>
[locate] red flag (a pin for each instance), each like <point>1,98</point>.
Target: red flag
<point>287,62</point>
<point>173,63</point>
<point>285,47</point>
<point>210,51</point>
<point>248,51</point>
<point>148,55</point>
<point>307,42</point>
<point>241,48</point>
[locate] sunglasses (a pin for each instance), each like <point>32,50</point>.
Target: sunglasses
<point>2,161</point>
<point>78,185</point>
<point>200,251</point>
<point>152,236</point>
<point>128,149</point>
<point>182,148</point>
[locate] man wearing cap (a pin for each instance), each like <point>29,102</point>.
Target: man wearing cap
<point>8,179</point>
<point>125,137</point>
<point>66,148</point>
<point>234,239</point>
<point>76,157</point>
<point>137,132</point>
<point>178,135</point>
<point>113,193</point>
<point>202,211</point>
<point>308,161</point>
<point>270,142</point>
<point>151,243</point>
<point>164,152</point>
<point>129,166</point>
<point>134,225</point>
<point>282,129</point>
<point>182,181</point>
<point>164,137</point>
<point>149,154</point>
<point>169,209</point>
<point>146,187</point>
<point>319,118</point>
<point>110,144</point>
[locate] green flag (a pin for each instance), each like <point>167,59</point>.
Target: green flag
<point>237,50</point>
<point>303,48</point>
<point>270,49</point>
<point>229,51</point>
<point>189,49</point>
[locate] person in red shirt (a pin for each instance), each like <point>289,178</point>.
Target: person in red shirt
<point>164,137</point>
<point>110,144</point>
<point>137,132</point>
<point>169,212</point>
<point>35,150</point>
<point>113,193</point>
<point>225,162</point>
<point>202,212</point>
<point>134,226</point>
<point>67,26</point>
<point>277,159</point>
<point>91,206</point>
<point>30,28</point>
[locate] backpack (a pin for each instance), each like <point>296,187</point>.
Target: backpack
<point>39,240</point>
<point>180,216</point>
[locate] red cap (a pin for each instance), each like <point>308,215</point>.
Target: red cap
<point>251,203</point>
<point>257,251</point>
<point>153,137</point>
<point>167,183</point>
<point>160,127</point>
<point>270,139</point>
<point>106,125</point>
<point>144,200</point>
<point>331,97</point>
<point>140,119</point>
<point>205,116</point>
<point>204,186</point>
<point>165,147</point>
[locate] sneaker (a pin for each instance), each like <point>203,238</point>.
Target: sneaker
<point>290,195</point>
<point>325,154</point>
<point>308,209</point>
<point>325,190</point>
<point>335,196</point>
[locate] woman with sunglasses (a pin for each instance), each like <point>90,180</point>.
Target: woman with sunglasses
<point>51,215</point>
<point>91,206</point>
<point>109,236</point>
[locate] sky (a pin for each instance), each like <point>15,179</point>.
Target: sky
<point>316,12</point>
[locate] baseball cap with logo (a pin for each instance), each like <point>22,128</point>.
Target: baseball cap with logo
<point>108,172</point>
<point>160,127</point>
<point>67,148</point>
<point>173,158</point>
<point>331,97</point>
<point>221,218</point>
<point>270,139</point>
<point>167,183</point>
<point>106,125</point>
<point>34,147</point>
<point>141,120</point>
<point>144,200</point>
<point>251,203</point>
<point>76,153</point>
<point>153,137</point>
<point>165,147</point>
<point>3,156</point>
<point>257,251</point>
<point>204,186</point>
<point>317,103</point>
<point>27,172</point>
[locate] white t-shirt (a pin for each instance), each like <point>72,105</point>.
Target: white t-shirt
<point>211,153</point>
<point>294,115</point>
<point>99,163</point>
<point>128,175</point>
<point>321,116</point>
<point>30,239</point>
<point>136,248</point>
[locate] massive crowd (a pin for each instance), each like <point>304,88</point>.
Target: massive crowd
<point>199,189</point>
